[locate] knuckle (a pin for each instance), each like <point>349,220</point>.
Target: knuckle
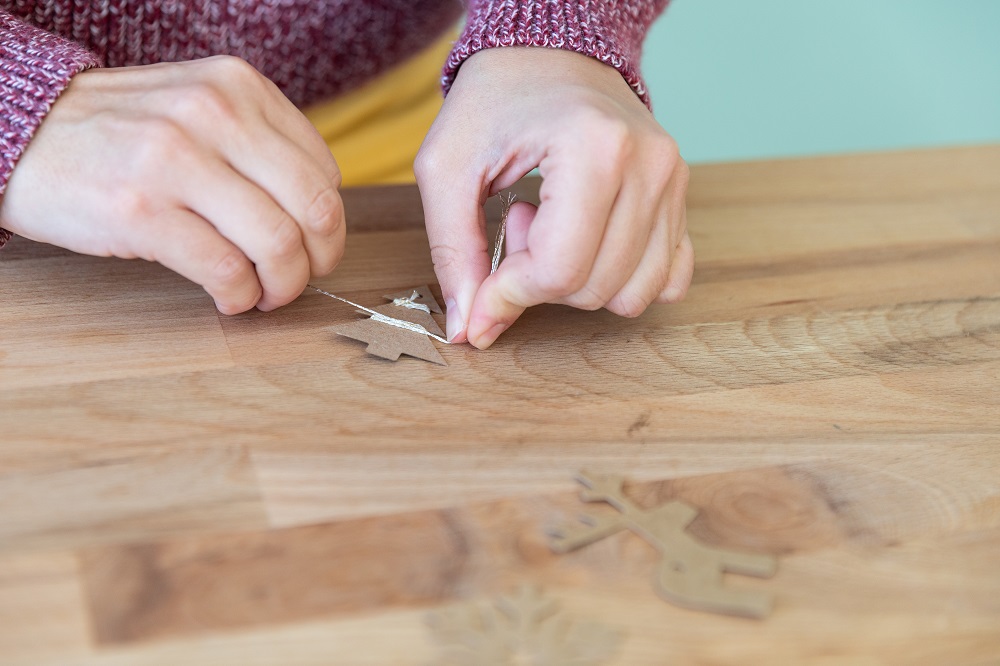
<point>617,132</point>
<point>326,264</point>
<point>682,176</point>
<point>325,214</point>
<point>603,122</point>
<point>231,67</point>
<point>683,172</point>
<point>161,143</point>
<point>666,146</point>
<point>444,257</point>
<point>286,240</point>
<point>450,261</point>
<point>427,162</point>
<point>665,162</point>
<point>336,178</point>
<point>230,270</point>
<point>131,204</point>
<point>613,137</point>
<point>202,103</point>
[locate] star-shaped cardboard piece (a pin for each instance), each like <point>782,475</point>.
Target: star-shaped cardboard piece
<point>389,342</point>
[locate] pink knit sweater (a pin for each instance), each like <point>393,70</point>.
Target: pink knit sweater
<point>313,49</point>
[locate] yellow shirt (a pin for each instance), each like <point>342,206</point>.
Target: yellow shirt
<point>375,131</point>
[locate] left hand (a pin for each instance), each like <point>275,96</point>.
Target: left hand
<point>611,229</point>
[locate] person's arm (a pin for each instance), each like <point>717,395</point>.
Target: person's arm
<point>554,85</point>
<point>35,67</point>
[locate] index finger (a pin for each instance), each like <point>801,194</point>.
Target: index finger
<point>577,195</point>
<point>456,231</point>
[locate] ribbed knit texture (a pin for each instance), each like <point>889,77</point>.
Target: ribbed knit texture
<point>312,49</point>
<point>610,30</point>
<point>35,66</point>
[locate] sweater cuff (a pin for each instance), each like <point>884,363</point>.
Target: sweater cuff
<point>610,30</point>
<point>35,67</point>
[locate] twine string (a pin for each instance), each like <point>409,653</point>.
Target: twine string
<point>383,318</point>
<point>505,204</point>
<point>408,301</point>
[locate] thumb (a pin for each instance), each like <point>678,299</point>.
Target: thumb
<point>456,230</point>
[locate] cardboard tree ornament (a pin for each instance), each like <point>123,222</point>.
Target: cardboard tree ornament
<point>389,342</point>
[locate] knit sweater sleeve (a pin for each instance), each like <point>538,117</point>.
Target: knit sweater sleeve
<point>35,67</point>
<point>610,30</point>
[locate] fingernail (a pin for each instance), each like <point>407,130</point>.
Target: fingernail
<point>490,336</point>
<point>456,324</point>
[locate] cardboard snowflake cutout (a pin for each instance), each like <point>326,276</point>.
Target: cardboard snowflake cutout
<point>526,627</point>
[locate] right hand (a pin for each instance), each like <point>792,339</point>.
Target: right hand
<point>202,166</point>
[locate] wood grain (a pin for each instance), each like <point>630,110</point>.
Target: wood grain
<point>181,487</point>
<point>232,580</point>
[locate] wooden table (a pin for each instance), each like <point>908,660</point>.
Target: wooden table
<point>179,487</point>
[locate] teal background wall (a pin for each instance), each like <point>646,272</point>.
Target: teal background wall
<point>746,79</point>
